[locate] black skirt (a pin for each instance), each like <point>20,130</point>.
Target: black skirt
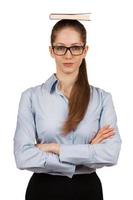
<point>49,187</point>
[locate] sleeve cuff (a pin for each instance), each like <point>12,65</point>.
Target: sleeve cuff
<point>53,164</point>
<point>76,154</point>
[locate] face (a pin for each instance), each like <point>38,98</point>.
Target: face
<point>68,63</point>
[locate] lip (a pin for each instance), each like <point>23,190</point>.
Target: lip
<point>67,64</point>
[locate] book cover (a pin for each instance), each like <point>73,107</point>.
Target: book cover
<point>76,16</point>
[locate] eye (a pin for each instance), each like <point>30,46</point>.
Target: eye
<point>76,48</point>
<point>60,48</point>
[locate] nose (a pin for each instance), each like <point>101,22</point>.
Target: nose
<point>68,54</point>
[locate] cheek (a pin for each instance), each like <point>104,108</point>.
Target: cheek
<point>79,61</point>
<point>58,60</point>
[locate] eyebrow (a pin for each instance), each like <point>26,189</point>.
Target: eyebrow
<point>71,44</point>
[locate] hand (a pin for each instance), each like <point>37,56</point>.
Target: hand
<point>49,148</point>
<point>103,133</point>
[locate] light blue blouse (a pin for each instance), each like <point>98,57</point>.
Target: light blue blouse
<point>42,112</point>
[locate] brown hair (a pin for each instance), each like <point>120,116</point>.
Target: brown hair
<point>80,93</point>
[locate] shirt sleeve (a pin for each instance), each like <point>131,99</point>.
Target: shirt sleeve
<point>27,155</point>
<point>105,153</point>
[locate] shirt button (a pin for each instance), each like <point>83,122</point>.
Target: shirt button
<point>71,137</point>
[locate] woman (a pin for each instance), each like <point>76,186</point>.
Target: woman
<point>66,128</point>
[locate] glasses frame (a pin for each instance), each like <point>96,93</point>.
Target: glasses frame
<point>68,48</point>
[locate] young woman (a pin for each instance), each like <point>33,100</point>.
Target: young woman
<point>66,128</point>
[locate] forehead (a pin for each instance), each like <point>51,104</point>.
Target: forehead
<point>68,36</point>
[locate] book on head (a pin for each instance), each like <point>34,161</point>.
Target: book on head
<point>72,16</point>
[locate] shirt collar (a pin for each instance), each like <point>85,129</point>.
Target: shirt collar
<point>51,82</point>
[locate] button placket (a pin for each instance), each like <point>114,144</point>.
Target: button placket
<point>60,93</point>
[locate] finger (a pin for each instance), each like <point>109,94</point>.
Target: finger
<point>105,131</point>
<point>99,138</point>
<point>105,136</point>
<point>100,134</point>
<point>104,127</point>
<point>102,131</point>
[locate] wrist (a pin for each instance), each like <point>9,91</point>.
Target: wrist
<point>52,147</point>
<point>55,148</point>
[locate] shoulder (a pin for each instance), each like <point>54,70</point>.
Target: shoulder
<point>31,91</point>
<point>99,94</point>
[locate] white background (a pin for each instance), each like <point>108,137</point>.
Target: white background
<point>25,61</point>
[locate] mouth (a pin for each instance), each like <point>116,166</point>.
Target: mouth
<point>68,64</point>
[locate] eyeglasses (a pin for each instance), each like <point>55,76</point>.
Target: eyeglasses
<point>75,50</point>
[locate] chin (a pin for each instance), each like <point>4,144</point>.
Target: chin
<point>68,70</point>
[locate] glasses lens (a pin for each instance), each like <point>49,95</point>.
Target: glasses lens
<point>59,50</point>
<point>76,50</point>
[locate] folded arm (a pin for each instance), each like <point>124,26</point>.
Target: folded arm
<point>96,155</point>
<point>27,155</point>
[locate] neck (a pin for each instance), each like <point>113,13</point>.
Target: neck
<point>66,81</point>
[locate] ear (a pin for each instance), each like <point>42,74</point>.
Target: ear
<point>51,51</point>
<point>85,51</point>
